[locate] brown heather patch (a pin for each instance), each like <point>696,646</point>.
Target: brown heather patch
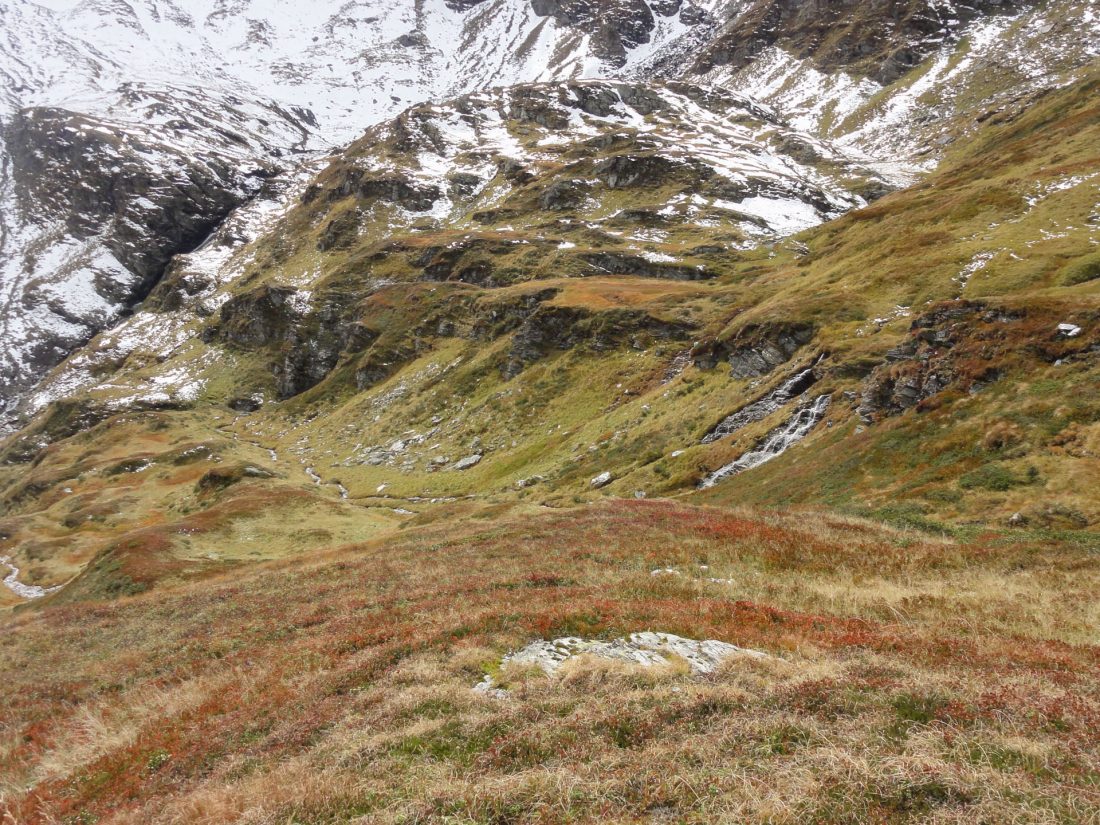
<point>336,687</point>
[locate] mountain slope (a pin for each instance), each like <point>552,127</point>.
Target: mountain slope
<point>368,347</point>
<point>257,85</point>
<point>711,440</point>
<point>336,687</point>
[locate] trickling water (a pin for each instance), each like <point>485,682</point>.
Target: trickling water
<point>760,409</point>
<point>25,591</point>
<point>776,442</point>
<point>313,475</point>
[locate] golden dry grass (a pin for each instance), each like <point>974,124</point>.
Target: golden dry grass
<point>903,686</point>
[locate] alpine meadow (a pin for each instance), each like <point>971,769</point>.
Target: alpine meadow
<point>549,411</point>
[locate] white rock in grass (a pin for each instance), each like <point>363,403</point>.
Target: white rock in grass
<point>487,687</point>
<point>467,462</point>
<point>645,649</point>
<point>1069,330</point>
<point>602,480</point>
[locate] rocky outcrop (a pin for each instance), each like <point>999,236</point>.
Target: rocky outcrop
<point>623,171</point>
<point>308,338</point>
<point>617,263</point>
<point>645,649</point>
<point>924,365</point>
<point>964,346</point>
<point>344,180</point>
<point>882,40</point>
<point>315,347</point>
<point>615,25</point>
<point>562,195</point>
<point>340,232</point>
<point>756,351</point>
<point>482,262</point>
<point>551,328</point>
<point>500,317</point>
<point>257,318</point>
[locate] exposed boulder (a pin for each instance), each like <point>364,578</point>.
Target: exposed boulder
<point>645,649</point>
<point>602,480</point>
<point>468,462</point>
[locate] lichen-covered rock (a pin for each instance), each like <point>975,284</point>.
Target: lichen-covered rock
<point>646,649</point>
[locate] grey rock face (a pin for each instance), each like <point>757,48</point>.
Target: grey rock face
<point>615,25</point>
<point>93,216</point>
<point>757,352</point>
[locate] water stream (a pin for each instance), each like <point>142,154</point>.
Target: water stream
<point>776,442</point>
<point>24,591</point>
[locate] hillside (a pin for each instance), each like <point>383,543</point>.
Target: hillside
<point>703,429</point>
<point>908,678</point>
<point>153,121</point>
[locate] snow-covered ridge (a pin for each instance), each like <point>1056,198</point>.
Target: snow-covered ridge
<point>255,83</point>
<point>350,63</point>
<point>252,83</point>
<point>737,158</point>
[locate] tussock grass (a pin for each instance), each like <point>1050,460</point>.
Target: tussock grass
<point>903,684</point>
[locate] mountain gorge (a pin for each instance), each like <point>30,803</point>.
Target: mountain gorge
<point>456,325</point>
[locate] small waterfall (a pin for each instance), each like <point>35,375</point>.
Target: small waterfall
<point>763,407</point>
<point>776,442</point>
